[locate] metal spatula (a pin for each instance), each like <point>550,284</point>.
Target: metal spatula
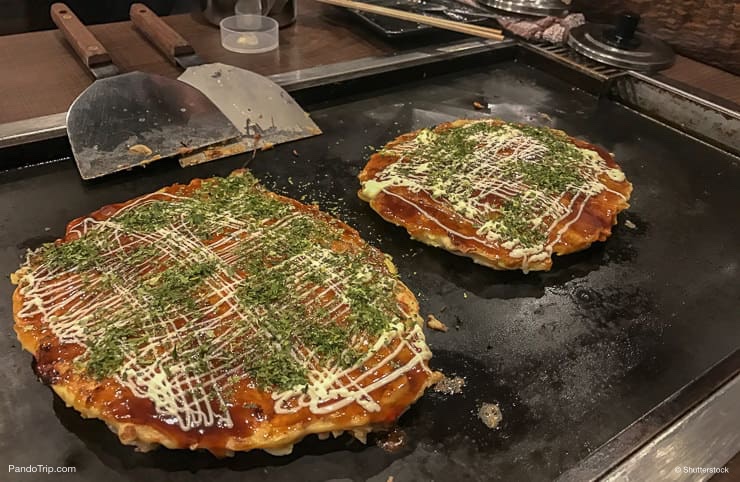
<point>124,120</point>
<point>262,111</point>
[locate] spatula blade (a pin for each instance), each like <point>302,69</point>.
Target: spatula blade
<point>262,110</point>
<point>137,118</point>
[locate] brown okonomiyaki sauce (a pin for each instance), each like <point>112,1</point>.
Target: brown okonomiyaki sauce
<point>424,217</point>
<point>250,408</point>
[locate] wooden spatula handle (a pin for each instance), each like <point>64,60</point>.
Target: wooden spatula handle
<point>82,40</point>
<point>158,32</point>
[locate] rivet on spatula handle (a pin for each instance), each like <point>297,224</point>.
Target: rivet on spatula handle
<point>90,51</point>
<point>162,35</point>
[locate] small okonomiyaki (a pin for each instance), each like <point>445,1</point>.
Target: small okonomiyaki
<point>218,315</point>
<point>506,195</point>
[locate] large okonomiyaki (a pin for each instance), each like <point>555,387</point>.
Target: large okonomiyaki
<point>506,195</point>
<point>221,316</point>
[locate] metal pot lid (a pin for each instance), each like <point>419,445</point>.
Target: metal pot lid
<point>621,45</point>
<point>540,8</point>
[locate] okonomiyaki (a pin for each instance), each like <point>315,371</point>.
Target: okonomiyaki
<point>218,315</point>
<point>507,195</point>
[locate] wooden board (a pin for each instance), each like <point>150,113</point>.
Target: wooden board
<point>706,78</point>
<point>42,75</point>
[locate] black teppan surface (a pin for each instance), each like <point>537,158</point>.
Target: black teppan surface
<point>572,356</point>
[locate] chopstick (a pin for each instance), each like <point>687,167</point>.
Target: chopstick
<point>475,30</point>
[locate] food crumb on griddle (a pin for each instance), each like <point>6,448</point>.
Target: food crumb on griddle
<point>490,414</point>
<point>390,479</point>
<point>295,153</point>
<point>478,105</point>
<point>450,386</point>
<point>435,324</point>
<point>393,440</point>
<point>630,224</point>
<point>140,149</point>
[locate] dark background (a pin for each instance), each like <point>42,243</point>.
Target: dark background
<point>30,15</point>
<point>705,30</point>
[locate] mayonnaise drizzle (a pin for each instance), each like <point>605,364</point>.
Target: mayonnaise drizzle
<point>471,191</point>
<point>67,303</point>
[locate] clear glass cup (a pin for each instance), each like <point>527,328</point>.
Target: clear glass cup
<point>249,34</point>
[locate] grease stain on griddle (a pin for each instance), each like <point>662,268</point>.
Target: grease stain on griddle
<point>36,241</point>
<point>603,308</point>
<point>452,273</point>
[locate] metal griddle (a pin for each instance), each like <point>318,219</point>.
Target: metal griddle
<point>573,356</point>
